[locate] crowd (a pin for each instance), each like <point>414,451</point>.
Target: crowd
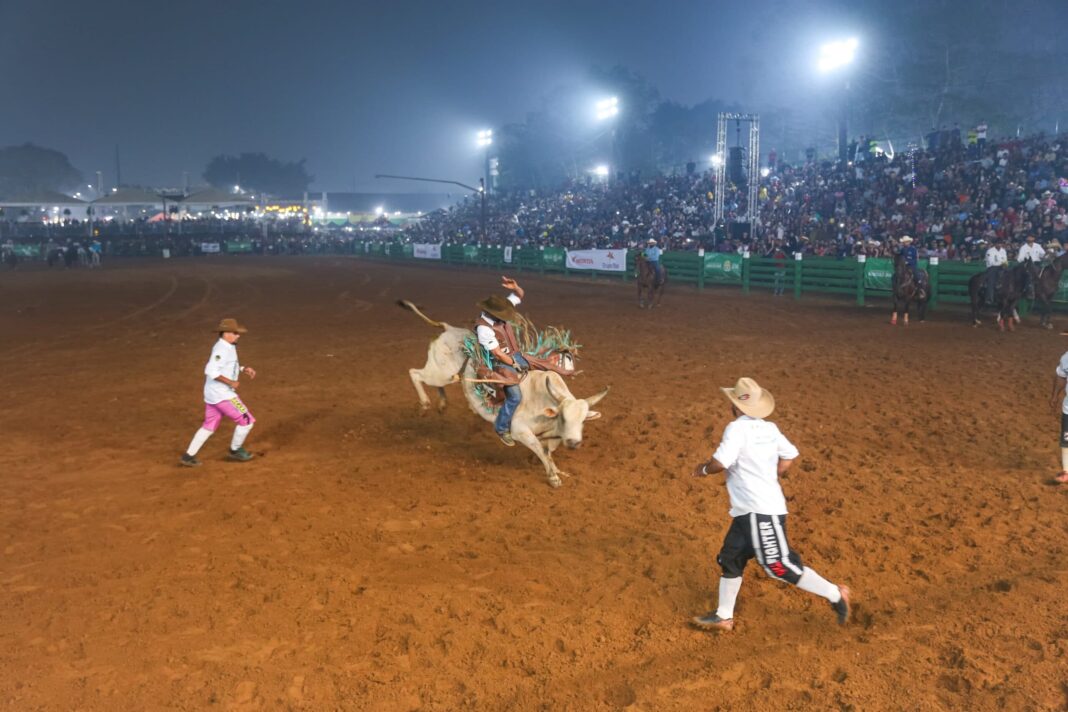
<point>955,198</point>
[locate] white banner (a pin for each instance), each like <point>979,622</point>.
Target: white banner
<point>426,252</point>
<point>606,260</point>
<point>209,247</point>
<point>508,254</point>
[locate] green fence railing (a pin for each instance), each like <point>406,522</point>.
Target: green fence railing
<point>858,278</point>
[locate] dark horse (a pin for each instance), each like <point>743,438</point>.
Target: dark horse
<point>906,291</point>
<point>1046,286</point>
<point>647,282</point>
<point>1010,286</point>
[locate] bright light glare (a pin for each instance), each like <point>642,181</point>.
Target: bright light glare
<point>607,108</point>
<point>485,138</point>
<point>717,160</point>
<point>601,171</point>
<point>837,54</point>
<point>764,172</point>
<point>379,210</point>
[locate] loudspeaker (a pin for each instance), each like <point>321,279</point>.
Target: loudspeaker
<point>735,170</point>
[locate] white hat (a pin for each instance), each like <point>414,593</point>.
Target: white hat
<point>905,240</point>
<point>748,397</point>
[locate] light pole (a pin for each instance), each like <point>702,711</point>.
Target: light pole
<point>481,190</point>
<point>834,55</point>
<point>607,109</point>
<point>484,141</point>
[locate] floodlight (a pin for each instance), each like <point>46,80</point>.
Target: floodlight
<point>837,54</point>
<point>607,108</point>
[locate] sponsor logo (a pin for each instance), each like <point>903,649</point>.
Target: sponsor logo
<point>611,256</point>
<point>744,396</point>
<point>768,543</point>
<point>777,568</point>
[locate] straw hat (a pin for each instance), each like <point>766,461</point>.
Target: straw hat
<point>905,240</point>
<point>230,325</point>
<point>499,307</point>
<point>748,397</point>
<point>651,241</point>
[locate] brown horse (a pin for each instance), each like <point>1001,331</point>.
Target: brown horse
<point>1010,287</point>
<point>1046,286</point>
<point>645,276</point>
<point>907,290</point>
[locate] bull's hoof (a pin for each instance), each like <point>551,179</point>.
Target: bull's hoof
<point>555,482</point>
<point>1049,326</point>
<point>424,408</point>
<point>441,406</point>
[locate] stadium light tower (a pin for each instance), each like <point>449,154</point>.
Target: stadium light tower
<point>484,141</point>
<point>835,56</point>
<point>607,108</point>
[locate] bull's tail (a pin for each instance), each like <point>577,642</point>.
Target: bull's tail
<point>405,304</point>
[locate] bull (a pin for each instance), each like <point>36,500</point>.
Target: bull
<point>548,416</point>
<point>445,359</point>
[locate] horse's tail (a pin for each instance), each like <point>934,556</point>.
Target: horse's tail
<point>405,304</point>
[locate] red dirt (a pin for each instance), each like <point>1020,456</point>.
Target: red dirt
<point>370,558</point>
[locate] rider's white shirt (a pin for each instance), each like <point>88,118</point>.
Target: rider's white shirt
<point>484,331</point>
<point>996,257</point>
<point>1030,252</point>
<point>222,362</point>
<point>1062,371</point>
<point>750,450</point>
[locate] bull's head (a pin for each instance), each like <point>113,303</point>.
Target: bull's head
<point>571,413</point>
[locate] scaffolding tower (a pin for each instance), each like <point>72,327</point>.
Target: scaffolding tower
<point>753,169</point>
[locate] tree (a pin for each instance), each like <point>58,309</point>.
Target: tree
<point>29,169</point>
<point>258,172</point>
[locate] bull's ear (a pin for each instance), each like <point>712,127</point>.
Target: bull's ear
<point>593,415</point>
<point>550,412</point>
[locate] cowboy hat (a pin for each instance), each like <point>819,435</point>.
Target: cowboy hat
<point>748,397</point>
<point>498,307</point>
<point>651,241</point>
<point>905,239</point>
<point>230,326</point>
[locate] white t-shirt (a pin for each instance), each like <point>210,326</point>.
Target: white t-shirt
<point>484,331</point>
<point>750,450</point>
<point>996,257</point>
<point>1030,252</point>
<point>1062,371</point>
<point>222,362</point>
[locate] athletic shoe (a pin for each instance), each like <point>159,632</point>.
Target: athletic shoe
<point>241,455</point>
<point>506,438</point>
<point>842,608</point>
<point>188,460</point>
<point>711,621</point>
<point>1062,478</point>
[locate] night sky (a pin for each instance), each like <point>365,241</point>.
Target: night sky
<point>359,87</point>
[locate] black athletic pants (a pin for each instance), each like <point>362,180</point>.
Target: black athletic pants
<point>762,536</point>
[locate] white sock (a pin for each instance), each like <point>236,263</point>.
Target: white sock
<point>814,583</point>
<point>240,433</point>
<point>728,594</point>
<point>198,441</point>
<point>1064,459</point>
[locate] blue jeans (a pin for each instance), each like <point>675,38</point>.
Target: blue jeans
<point>512,397</point>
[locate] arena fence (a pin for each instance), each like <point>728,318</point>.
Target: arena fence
<point>858,278</point>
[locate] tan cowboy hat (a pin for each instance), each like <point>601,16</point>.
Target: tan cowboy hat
<point>905,240</point>
<point>651,241</point>
<point>499,307</point>
<point>748,397</point>
<point>230,325</point>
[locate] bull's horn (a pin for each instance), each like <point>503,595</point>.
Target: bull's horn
<point>549,387</point>
<point>594,400</point>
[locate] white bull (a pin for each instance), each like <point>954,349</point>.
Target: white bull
<point>547,416</point>
<point>444,359</point>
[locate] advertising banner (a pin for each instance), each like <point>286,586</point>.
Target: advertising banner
<point>209,247</point>
<point>723,267</point>
<point>427,252</point>
<point>604,260</point>
<point>508,254</point>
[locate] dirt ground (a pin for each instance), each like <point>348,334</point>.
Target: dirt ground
<point>371,558</point>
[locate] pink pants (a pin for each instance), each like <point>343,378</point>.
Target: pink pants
<point>233,409</point>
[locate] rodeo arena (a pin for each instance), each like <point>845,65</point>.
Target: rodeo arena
<point>537,448</point>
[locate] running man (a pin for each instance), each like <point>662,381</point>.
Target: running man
<point>754,453</point>
<point>220,395</point>
<point>1060,377</point>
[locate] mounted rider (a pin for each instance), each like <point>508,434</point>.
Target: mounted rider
<point>652,256</point>
<point>911,256</point>
<point>497,336</point>
<point>1033,252</point>
<point>996,261</point>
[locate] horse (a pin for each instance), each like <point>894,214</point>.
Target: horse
<point>645,276</point>
<point>1046,286</point>
<point>906,290</point>
<point>1010,286</point>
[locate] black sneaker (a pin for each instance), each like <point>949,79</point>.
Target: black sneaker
<point>506,438</point>
<point>188,460</point>
<point>241,455</point>
<point>711,621</point>
<point>842,608</point>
